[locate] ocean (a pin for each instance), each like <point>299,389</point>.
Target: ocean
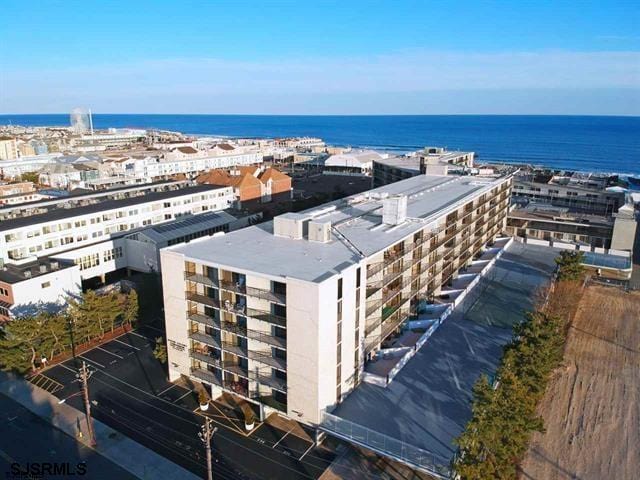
<point>584,143</point>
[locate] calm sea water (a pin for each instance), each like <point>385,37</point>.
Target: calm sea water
<point>588,143</point>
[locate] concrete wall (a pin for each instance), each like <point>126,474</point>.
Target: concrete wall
<point>175,308</point>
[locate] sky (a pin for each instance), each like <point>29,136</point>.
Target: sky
<point>321,57</point>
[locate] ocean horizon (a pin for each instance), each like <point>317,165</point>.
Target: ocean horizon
<point>608,144</point>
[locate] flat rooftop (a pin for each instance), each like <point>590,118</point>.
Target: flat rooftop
<point>428,403</point>
<point>357,230</point>
<point>11,273</point>
<point>64,213</point>
<point>411,164</point>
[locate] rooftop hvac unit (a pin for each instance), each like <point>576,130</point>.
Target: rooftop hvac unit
<point>290,225</point>
<point>319,232</point>
<point>394,210</point>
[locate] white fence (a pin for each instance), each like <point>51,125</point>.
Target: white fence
<point>411,455</point>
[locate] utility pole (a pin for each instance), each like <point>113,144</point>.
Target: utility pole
<point>83,376</point>
<point>205,434</point>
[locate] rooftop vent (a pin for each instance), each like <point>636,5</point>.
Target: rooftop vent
<point>54,265</point>
<point>394,210</point>
<point>319,231</point>
<point>43,268</point>
<point>27,273</point>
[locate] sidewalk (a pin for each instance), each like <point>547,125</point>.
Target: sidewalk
<point>121,450</point>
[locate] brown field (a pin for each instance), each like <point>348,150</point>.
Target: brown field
<point>591,408</point>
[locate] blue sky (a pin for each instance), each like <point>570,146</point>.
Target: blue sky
<point>318,57</point>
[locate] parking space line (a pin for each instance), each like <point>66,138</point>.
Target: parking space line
<point>275,444</point>
<point>167,389</point>
<point>92,361</point>
<point>119,341</point>
<point>152,328</point>
<point>181,397</point>
<point>68,368</point>
<point>114,354</point>
<point>307,451</point>
<point>141,336</point>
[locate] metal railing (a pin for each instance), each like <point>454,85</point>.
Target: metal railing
<point>393,448</point>
<point>205,338</point>
<point>267,317</point>
<point>267,359</point>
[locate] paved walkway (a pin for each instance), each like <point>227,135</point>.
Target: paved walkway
<point>131,456</point>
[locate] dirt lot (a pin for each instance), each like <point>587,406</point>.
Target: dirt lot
<point>592,406</point>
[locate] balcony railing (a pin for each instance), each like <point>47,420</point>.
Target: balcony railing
<point>203,319</point>
<point>207,376</point>
<point>266,359</point>
<point>202,279</point>
<point>234,349</point>
<point>267,295</point>
<point>267,317</point>
<point>203,299</point>
<point>271,381</point>
<point>205,338</point>
<point>205,357</point>
<point>263,337</point>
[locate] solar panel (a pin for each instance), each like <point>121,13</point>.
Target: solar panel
<point>195,220</point>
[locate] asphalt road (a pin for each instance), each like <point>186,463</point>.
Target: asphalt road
<point>130,393</point>
<point>26,438</point>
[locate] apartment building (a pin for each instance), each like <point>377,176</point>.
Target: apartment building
<point>60,229</point>
<point>430,161</point>
<point>39,285</point>
<point>579,197</point>
<point>8,148</point>
<point>287,313</point>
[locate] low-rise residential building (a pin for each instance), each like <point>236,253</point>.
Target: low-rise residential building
<point>40,285</point>
<point>251,185</point>
<point>287,314</point>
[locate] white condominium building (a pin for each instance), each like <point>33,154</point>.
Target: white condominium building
<point>61,229</point>
<point>285,314</point>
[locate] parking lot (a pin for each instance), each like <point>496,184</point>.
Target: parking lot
<point>129,392</point>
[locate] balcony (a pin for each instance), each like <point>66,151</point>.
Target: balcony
<point>207,376</point>
<point>202,279</point>
<point>272,381</point>
<point>233,287</point>
<point>234,328</point>
<point>205,338</point>
<point>202,299</point>
<point>205,357</point>
<point>235,368</point>
<point>203,319</point>
<point>267,317</point>
<point>266,295</point>
<point>273,340</point>
<point>235,349</point>
<point>266,359</point>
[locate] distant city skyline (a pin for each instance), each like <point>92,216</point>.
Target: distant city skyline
<point>322,58</point>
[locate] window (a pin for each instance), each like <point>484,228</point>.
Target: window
<point>358,278</point>
<point>339,288</point>
<point>45,284</point>
<point>4,292</point>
